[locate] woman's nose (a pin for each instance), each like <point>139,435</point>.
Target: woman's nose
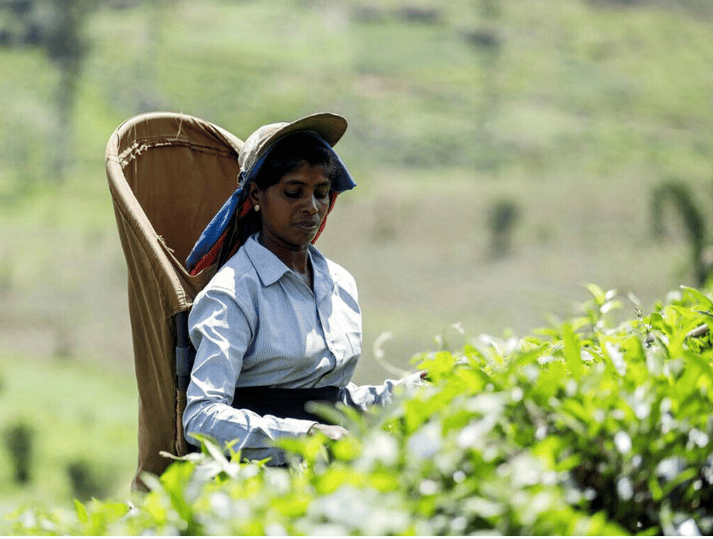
<point>312,204</point>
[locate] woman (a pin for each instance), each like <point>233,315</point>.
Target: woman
<point>279,325</point>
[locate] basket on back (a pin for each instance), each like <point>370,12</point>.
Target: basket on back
<point>168,175</point>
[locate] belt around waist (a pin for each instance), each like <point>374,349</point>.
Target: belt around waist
<point>281,402</point>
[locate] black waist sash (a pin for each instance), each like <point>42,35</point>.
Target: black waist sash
<point>281,402</point>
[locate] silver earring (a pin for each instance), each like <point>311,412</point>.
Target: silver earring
<point>257,207</point>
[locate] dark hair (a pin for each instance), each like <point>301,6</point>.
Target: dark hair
<point>290,153</point>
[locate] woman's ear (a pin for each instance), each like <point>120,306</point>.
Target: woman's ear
<point>254,194</point>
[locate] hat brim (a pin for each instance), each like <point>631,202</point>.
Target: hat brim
<point>327,126</point>
<point>331,127</point>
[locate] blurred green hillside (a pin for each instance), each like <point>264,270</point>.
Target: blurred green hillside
<point>559,117</point>
<point>567,111</point>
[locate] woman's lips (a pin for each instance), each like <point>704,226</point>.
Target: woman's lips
<point>308,226</point>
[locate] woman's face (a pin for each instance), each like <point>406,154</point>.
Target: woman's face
<point>293,209</point>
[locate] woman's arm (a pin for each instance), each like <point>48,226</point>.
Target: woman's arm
<point>221,331</point>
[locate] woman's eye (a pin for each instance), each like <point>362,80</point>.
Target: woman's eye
<point>322,193</point>
<point>293,194</point>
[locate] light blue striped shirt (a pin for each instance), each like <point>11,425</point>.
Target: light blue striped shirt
<point>257,323</point>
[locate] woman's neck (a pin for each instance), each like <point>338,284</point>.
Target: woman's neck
<point>297,259</point>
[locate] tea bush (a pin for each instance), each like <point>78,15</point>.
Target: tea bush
<point>588,426</point>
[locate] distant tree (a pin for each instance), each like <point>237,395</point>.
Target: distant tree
<point>19,442</point>
<point>678,196</point>
<point>66,47</point>
<point>503,218</point>
<point>87,481</point>
<point>57,26</point>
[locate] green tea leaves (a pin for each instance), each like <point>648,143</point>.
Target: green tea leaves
<point>583,427</point>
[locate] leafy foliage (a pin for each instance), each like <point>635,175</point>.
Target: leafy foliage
<point>589,426</point>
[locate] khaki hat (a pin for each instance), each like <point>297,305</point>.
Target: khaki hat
<point>327,125</point>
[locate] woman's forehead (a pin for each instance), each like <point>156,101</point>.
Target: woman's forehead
<point>306,173</point>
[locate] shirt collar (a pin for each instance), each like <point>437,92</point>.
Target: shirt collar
<point>270,268</point>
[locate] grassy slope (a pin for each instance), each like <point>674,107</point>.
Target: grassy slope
<point>79,413</point>
<point>580,112</point>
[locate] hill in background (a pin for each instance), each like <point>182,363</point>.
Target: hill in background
<point>505,153</point>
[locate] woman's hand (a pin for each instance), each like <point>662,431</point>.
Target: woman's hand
<point>333,432</point>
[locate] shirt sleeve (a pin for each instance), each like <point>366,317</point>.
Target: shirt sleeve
<point>364,396</point>
<point>221,332</point>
